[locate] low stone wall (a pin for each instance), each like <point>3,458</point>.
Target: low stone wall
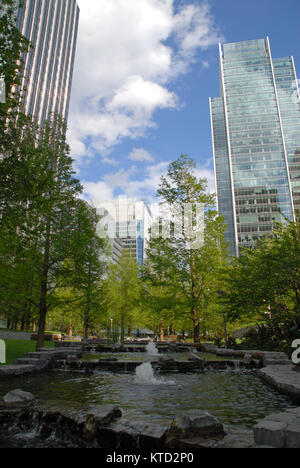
<point>7,335</point>
<point>37,361</point>
<point>162,366</point>
<point>105,427</point>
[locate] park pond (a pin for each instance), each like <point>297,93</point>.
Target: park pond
<point>236,398</point>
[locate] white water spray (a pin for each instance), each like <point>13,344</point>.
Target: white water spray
<point>151,349</point>
<point>144,374</point>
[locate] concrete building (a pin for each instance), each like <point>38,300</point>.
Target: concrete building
<point>126,219</point>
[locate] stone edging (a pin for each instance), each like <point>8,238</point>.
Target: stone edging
<point>282,378</point>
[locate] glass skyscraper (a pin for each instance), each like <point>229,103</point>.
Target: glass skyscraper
<point>51,26</point>
<point>256,141</point>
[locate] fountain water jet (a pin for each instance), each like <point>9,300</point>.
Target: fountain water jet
<point>151,349</point>
<point>144,375</point>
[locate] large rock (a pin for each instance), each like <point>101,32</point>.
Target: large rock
<point>195,424</point>
<point>99,416</point>
<point>18,397</point>
<point>131,435</point>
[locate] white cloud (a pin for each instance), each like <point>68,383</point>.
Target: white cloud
<point>141,155</point>
<point>141,185</point>
<point>123,67</point>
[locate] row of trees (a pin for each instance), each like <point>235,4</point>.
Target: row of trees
<point>49,251</point>
<point>50,255</point>
<point>177,287</point>
<point>203,289</point>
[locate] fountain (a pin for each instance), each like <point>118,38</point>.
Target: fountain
<point>151,350</point>
<point>144,375</point>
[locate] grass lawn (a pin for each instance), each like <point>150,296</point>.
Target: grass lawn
<point>17,348</point>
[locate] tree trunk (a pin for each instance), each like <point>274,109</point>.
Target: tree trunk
<point>44,289</point>
<point>161,332</point>
<point>70,331</point>
<point>43,314</point>
<point>86,324</point>
<point>196,326</point>
<point>88,307</point>
<point>122,328</point>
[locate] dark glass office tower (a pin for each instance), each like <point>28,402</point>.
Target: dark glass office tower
<point>51,26</point>
<point>256,141</point>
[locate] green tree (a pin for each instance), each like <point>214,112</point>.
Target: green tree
<point>264,283</point>
<point>13,46</point>
<point>123,289</point>
<point>197,259</point>
<point>159,288</point>
<point>90,265</point>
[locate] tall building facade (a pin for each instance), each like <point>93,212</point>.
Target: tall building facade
<point>51,26</point>
<point>256,141</point>
<point>128,220</point>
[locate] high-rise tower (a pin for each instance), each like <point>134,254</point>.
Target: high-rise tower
<point>256,141</point>
<point>127,219</point>
<point>51,26</point>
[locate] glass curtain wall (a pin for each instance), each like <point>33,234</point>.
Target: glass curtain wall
<point>256,141</point>
<point>51,26</point>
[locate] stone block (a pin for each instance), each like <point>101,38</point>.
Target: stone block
<point>271,433</point>
<point>293,434</point>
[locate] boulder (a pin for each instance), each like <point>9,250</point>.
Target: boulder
<point>18,397</point>
<point>194,424</point>
<point>98,416</point>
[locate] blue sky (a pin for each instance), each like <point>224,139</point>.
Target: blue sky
<point>143,76</point>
